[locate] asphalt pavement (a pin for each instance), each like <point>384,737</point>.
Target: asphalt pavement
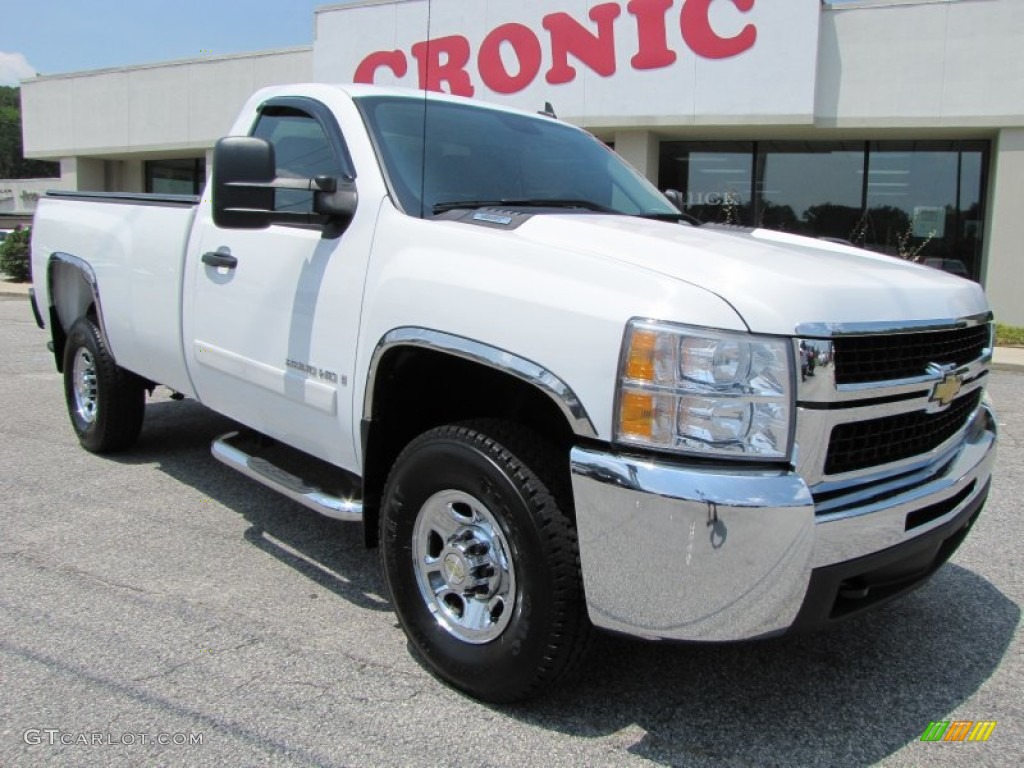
<point>158,596</point>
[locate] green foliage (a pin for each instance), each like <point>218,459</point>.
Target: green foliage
<point>1009,336</point>
<point>13,164</point>
<point>14,255</point>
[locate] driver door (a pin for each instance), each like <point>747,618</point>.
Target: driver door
<point>271,331</point>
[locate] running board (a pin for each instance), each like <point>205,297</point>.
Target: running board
<point>285,483</point>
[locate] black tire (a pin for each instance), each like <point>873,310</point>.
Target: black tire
<point>519,482</point>
<point>107,408</point>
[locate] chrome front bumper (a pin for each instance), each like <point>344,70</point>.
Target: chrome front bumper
<point>691,553</point>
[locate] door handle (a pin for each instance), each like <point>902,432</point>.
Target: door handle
<point>220,259</point>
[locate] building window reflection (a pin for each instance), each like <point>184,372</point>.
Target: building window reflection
<point>716,179</point>
<point>176,177</point>
<point>919,200</point>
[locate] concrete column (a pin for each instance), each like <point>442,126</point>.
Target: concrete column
<point>133,176</point>
<point>1004,236</point>
<point>639,149</point>
<point>84,174</point>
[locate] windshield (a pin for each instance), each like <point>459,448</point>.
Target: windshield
<point>478,156</point>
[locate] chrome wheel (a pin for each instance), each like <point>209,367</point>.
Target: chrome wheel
<point>84,383</point>
<point>463,567</point>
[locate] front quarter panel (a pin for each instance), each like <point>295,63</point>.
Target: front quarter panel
<point>564,310</point>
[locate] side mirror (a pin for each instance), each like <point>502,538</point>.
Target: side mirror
<point>336,198</point>
<point>245,180</point>
<point>244,169</point>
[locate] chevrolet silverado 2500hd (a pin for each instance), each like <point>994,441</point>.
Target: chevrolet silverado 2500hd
<point>559,403</point>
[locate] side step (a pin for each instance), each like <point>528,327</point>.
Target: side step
<point>284,482</point>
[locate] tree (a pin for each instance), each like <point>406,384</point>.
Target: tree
<point>13,164</point>
<point>14,255</point>
<point>833,220</point>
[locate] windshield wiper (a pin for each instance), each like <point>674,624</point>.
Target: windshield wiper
<point>674,217</point>
<point>539,202</point>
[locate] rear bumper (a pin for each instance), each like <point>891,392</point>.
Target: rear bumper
<point>712,554</point>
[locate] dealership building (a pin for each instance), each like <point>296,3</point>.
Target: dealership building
<point>893,124</point>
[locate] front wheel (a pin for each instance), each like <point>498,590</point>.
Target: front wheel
<point>481,560</point>
<point>106,403</point>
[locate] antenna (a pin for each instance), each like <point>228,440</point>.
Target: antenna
<point>426,101</point>
<point>548,110</point>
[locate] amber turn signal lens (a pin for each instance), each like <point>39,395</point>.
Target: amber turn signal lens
<point>640,362</point>
<point>636,415</point>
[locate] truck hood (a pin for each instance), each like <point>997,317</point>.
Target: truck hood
<point>774,280</point>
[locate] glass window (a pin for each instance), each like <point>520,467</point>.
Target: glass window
<point>919,200</point>
<point>811,188</point>
<point>924,203</point>
<point>301,151</point>
<point>176,177</point>
<point>911,192</point>
<point>715,178</point>
<point>970,222</point>
<point>458,153</point>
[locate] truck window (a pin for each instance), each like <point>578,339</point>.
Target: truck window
<point>444,152</point>
<point>302,151</point>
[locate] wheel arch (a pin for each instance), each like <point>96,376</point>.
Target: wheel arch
<point>73,292</point>
<point>421,378</point>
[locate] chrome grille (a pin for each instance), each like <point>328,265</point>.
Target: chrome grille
<point>862,444</point>
<point>892,357</point>
<point>858,436</point>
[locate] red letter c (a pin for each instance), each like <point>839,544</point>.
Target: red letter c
<point>393,60</point>
<point>704,41</point>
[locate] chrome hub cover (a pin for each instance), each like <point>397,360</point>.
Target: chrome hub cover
<point>83,379</point>
<point>463,568</point>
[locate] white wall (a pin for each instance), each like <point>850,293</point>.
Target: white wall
<point>178,106</point>
<point>20,195</point>
<point>770,81</point>
<point>1004,278</point>
<point>927,63</point>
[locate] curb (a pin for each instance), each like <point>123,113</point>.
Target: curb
<point>1008,359</point>
<point>1011,367</point>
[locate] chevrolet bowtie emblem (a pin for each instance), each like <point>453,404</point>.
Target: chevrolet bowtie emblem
<point>945,391</point>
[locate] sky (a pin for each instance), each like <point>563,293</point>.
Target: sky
<point>51,37</point>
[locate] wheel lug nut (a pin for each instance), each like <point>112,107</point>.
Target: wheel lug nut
<point>483,571</point>
<point>478,549</point>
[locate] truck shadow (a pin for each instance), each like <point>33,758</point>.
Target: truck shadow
<point>850,696</point>
<point>177,436</point>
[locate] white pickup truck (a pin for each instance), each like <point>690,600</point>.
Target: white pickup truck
<point>556,402</point>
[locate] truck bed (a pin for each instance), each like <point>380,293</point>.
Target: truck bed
<point>135,245</point>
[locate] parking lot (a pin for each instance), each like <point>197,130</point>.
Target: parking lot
<point>157,608</point>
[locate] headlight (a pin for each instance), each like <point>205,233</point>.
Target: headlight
<point>698,391</point>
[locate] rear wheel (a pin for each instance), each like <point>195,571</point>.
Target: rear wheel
<point>106,403</point>
<point>482,561</point>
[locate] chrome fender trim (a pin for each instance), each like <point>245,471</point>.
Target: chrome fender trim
<point>499,359</point>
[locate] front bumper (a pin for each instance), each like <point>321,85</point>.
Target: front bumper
<point>693,553</point>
